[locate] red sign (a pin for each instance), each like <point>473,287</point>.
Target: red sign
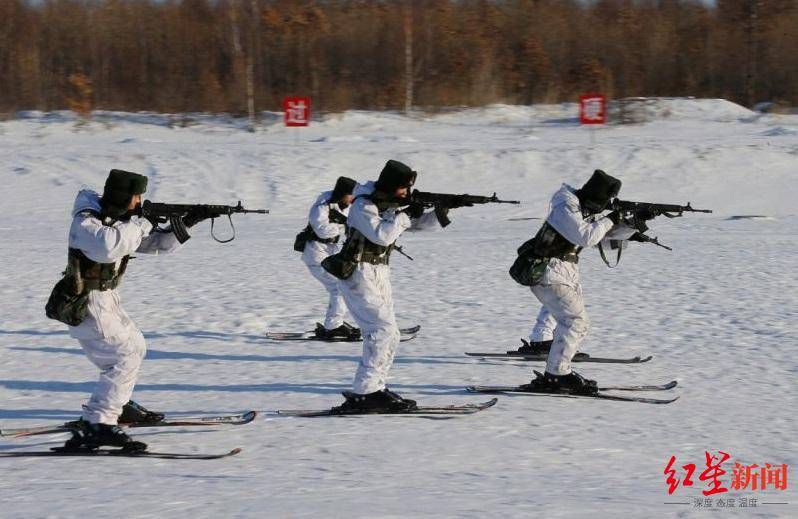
<point>297,111</point>
<point>592,109</point>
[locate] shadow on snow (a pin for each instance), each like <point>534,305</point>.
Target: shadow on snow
<point>179,355</point>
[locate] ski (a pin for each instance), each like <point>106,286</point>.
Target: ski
<point>119,453</point>
<point>421,410</point>
<point>602,396</point>
<point>188,421</point>
<point>407,335</point>
<point>515,389</point>
<point>531,358</point>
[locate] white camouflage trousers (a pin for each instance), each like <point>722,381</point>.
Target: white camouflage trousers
<point>115,345</point>
<point>336,307</point>
<point>370,301</point>
<point>563,319</point>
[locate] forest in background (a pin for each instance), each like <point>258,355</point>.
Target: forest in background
<point>242,56</point>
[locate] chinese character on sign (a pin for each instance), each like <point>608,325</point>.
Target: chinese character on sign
<point>297,111</point>
<point>592,109</point>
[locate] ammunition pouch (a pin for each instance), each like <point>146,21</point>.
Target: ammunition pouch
<point>339,265</point>
<point>528,268</point>
<point>301,239</point>
<point>68,301</point>
<point>65,305</point>
<point>97,276</point>
<point>534,255</point>
<point>308,234</point>
<point>375,254</point>
<point>357,249</point>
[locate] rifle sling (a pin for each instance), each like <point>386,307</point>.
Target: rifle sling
<point>604,257</point>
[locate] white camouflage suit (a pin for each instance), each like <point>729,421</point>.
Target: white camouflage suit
<point>316,251</point>
<point>562,317</point>
<point>368,291</point>
<point>109,338</point>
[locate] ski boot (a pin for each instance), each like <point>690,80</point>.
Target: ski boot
<point>541,348</point>
<point>91,436</point>
<point>572,383</point>
<point>133,413</point>
<point>383,401</point>
<point>533,348</point>
<point>410,404</point>
<point>346,332</point>
<point>353,331</point>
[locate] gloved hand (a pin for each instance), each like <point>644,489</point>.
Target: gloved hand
<point>414,210</point>
<point>645,214</point>
<point>138,211</point>
<point>153,219</point>
<point>615,216</point>
<point>156,220</point>
<point>337,217</point>
<point>442,213</point>
<point>195,215</point>
<point>638,236</point>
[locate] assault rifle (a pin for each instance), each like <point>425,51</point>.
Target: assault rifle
<point>452,201</point>
<point>627,208</point>
<point>449,201</point>
<point>173,213</point>
<point>637,213</point>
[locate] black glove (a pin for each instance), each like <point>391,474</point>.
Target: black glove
<point>615,216</point>
<point>442,213</point>
<point>645,214</point>
<point>337,217</point>
<point>195,215</point>
<point>414,210</point>
<point>153,219</point>
<point>156,220</point>
<point>638,236</point>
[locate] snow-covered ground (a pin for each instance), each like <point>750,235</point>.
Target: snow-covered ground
<point>718,314</point>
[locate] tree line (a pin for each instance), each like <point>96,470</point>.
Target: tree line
<point>242,56</point>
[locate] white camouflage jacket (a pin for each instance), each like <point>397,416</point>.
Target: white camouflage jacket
<point>565,215</point>
<point>109,244</point>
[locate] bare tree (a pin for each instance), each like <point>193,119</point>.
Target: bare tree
<point>408,31</point>
<point>242,55</point>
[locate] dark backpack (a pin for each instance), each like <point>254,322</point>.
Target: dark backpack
<point>528,268</point>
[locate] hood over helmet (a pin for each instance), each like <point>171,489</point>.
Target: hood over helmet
<point>597,192</point>
<point>343,186</point>
<point>395,175</point>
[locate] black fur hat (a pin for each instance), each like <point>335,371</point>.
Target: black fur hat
<point>120,186</point>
